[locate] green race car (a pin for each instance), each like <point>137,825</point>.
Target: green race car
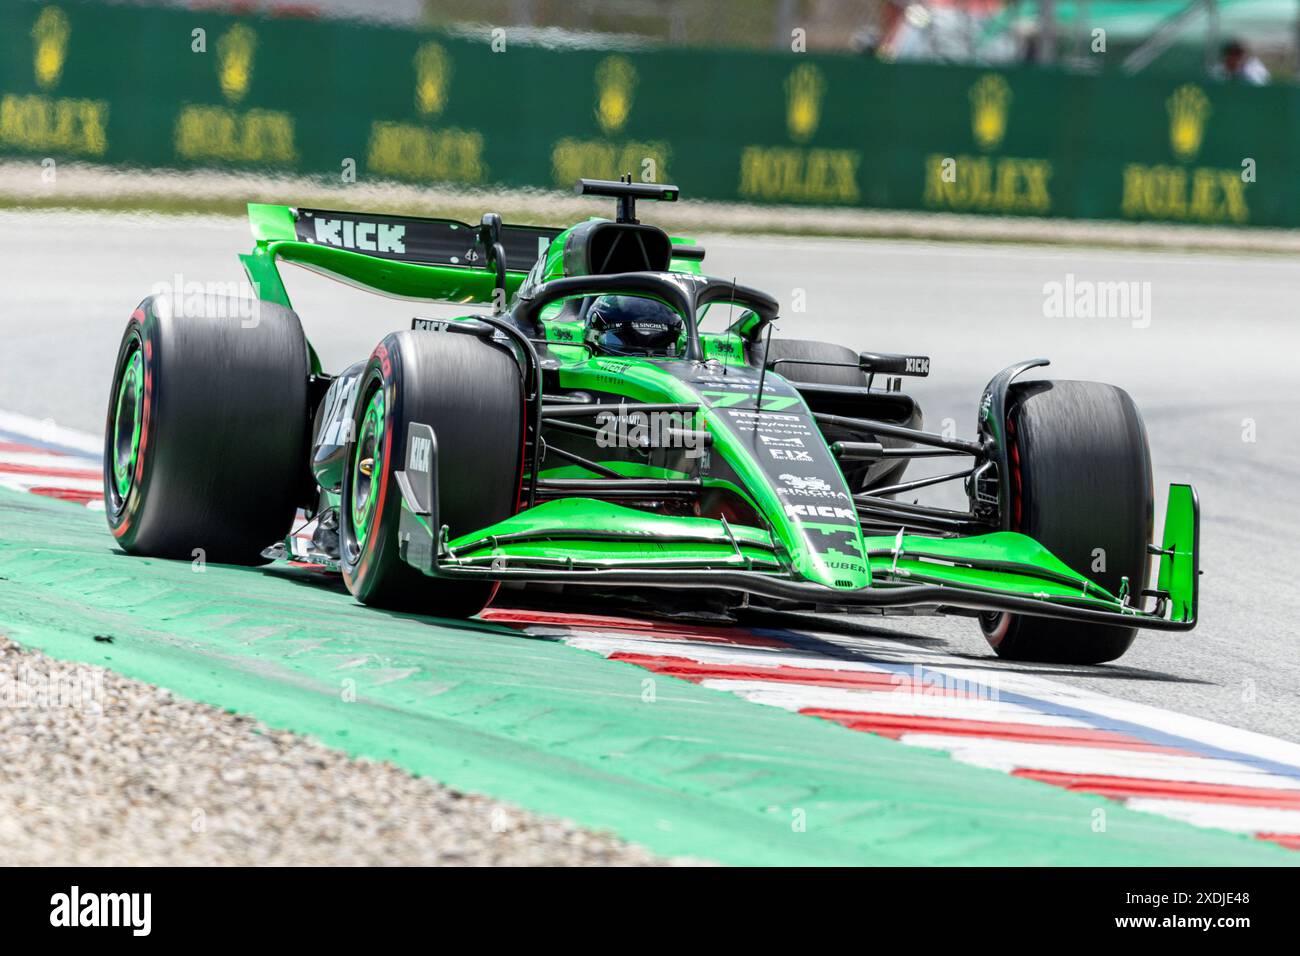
<point>587,434</point>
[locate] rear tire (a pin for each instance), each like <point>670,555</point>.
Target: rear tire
<point>1081,486</point>
<point>470,392</point>
<point>207,430</point>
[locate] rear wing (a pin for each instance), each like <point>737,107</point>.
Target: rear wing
<point>406,256</point>
<point>443,242</point>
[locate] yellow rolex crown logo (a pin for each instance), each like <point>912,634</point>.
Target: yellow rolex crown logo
<point>50,32</point>
<point>432,73</point>
<point>1189,108</point>
<point>235,61</point>
<point>803,101</point>
<point>615,85</point>
<point>990,100</point>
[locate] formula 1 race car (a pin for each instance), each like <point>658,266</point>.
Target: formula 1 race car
<point>586,432</point>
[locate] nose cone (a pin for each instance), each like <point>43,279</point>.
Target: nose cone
<point>776,447</point>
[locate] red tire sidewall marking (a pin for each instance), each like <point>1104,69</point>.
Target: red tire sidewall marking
<point>380,354</point>
<point>1014,486</point>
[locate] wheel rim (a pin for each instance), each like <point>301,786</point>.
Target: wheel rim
<point>127,417</point>
<point>364,465</point>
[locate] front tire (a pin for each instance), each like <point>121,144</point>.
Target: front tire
<point>205,448</point>
<point>1081,486</point>
<point>470,392</point>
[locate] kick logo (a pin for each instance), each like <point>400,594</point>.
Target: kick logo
<point>421,452</point>
<point>362,236</point>
<point>819,511</point>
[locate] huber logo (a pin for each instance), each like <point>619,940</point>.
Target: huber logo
<point>1177,192</point>
<point>796,173</point>
<point>75,908</point>
<point>36,122</point>
<point>1000,184</point>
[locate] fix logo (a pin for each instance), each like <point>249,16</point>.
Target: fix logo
<point>789,454</point>
<point>103,909</point>
<point>916,365</point>
<point>819,511</point>
<point>361,236</point>
<point>421,453</point>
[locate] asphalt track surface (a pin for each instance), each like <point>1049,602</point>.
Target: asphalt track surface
<point>1214,367</point>
<point>1222,348</point>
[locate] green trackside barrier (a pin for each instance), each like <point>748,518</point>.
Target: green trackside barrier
<point>174,89</point>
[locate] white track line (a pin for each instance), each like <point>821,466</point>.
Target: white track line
<point>48,432</point>
<point>46,463</point>
<point>1010,755</point>
<point>1225,816</point>
<point>1216,756</point>
<point>1144,715</point>
<point>796,697</point>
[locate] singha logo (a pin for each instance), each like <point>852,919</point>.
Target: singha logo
<point>50,32</point>
<point>811,483</point>
<point>235,61</point>
<point>432,76</point>
<point>1189,108</point>
<point>990,100</point>
<point>804,88</point>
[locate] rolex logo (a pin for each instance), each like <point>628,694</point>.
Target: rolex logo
<point>615,85</point>
<point>51,35</point>
<point>1189,108</point>
<point>432,73</point>
<point>235,61</point>
<point>803,101</point>
<point>990,100</point>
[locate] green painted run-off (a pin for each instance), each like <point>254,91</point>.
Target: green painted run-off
<point>544,725</point>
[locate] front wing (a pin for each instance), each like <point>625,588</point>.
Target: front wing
<point>585,541</point>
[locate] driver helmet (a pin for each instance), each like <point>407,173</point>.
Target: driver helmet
<point>633,325</point>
